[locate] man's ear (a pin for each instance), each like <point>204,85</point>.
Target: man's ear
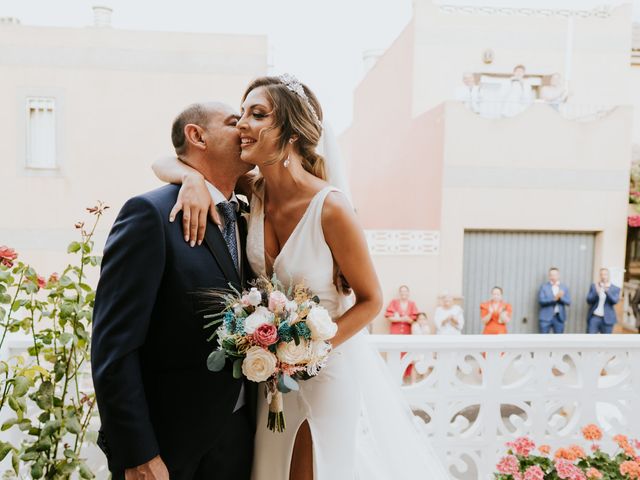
<point>195,136</point>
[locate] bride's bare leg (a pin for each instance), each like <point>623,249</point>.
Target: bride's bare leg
<point>302,457</point>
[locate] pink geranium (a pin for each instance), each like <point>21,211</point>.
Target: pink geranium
<point>522,446</point>
<point>594,473</point>
<point>508,465</point>
<point>568,470</point>
<point>534,473</point>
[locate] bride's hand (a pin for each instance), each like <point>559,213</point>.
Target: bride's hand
<point>195,202</point>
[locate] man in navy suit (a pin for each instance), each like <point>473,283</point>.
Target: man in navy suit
<point>601,298</point>
<point>163,413</point>
<point>553,298</point>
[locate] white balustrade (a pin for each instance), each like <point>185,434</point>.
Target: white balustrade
<point>477,392</point>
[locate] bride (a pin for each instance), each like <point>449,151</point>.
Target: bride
<point>350,422</point>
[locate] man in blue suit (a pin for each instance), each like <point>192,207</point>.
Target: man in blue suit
<point>601,299</point>
<point>553,297</point>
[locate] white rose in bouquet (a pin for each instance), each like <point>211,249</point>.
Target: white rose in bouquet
<point>259,364</point>
<point>321,324</point>
<point>291,306</point>
<point>254,297</point>
<point>261,316</point>
<point>293,354</point>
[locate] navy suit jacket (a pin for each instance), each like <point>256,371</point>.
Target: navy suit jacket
<point>548,302</point>
<point>154,392</point>
<point>613,297</point>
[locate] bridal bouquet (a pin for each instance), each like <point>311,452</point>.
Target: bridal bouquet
<point>272,336</point>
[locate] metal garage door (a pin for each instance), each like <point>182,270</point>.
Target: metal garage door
<point>518,262</point>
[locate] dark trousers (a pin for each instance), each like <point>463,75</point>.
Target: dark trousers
<point>555,323</point>
<point>230,459</point>
<point>597,325</point>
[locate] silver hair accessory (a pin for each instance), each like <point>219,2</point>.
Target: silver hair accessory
<point>293,84</point>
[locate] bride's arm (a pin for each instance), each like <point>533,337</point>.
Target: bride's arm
<point>194,199</point>
<point>349,247</point>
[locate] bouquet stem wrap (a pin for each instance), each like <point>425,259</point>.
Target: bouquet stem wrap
<point>276,422</point>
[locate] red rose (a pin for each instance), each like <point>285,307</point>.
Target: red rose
<point>7,256</point>
<point>41,281</point>
<point>265,335</point>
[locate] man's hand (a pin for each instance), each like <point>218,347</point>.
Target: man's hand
<point>154,469</point>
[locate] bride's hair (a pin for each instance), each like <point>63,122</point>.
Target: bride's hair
<point>293,115</point>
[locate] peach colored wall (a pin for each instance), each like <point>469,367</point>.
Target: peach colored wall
<point>117,93</point>
<point>392,156</point>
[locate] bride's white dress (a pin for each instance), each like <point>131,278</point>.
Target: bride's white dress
<point>360,426</point>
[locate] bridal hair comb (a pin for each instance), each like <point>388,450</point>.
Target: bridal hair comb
<point>293,84</point>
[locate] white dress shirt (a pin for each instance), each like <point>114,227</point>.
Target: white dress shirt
<point>442,314</point>
<point>218,197</point>
<point>599,311</point>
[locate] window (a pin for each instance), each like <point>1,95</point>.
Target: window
<point>41,133</point>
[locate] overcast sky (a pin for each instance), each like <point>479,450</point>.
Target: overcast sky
<point>320,41</point>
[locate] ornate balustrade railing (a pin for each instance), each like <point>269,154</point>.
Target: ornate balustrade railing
<point>477,392</point>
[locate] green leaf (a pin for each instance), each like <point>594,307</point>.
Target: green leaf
<point>237,368</point>
<point>43,445</point>
<point>5,448</point>
<point>8,424</point>
<point>15,463</point>
<point>74,247</point>
<point>36,471</point>
<point>51,427</point>
<point>73,425</point>
<point>287,384</point>
<point>5,276</point>
<point>20,386</point>
<point>85,472</point>
<point>216,360</point>
<point>65,338</point>
<point>13,403</point>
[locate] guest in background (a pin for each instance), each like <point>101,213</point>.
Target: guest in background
<point>495,313</point>
<point>554,93</point>
<point>421,326</point>
<point>449,317</point>
<point>601,298</point>
<point>518,95</point>
<point>402,312</point>
<point>553,298</point>
<point>469,92</point>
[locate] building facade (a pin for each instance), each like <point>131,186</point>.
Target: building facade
<point>85,111</point>
<point>469,198</point>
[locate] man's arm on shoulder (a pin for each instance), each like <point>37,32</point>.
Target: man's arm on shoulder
<point>131,273</point>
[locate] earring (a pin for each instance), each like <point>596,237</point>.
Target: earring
<point>286,162</point>
<point>291,140</point>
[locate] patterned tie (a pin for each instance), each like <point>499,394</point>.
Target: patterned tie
<point>228,211</point>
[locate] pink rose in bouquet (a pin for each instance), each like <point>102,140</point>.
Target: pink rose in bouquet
<point>265,335</point>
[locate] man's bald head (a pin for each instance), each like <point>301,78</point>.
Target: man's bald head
<point>199,114</point>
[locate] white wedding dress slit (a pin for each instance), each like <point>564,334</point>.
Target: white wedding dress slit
<point>361,428</point>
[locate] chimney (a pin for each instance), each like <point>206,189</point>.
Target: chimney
<point>9,21</point>
<point>102,16</point>
<point>370,57</point>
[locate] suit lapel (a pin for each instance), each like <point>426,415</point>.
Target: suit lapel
<point>245,268</point>
<point>218,247</point>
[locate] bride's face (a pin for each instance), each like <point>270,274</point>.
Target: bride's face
<point>258,140</point>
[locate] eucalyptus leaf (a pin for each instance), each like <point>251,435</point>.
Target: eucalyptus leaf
<point>74,247</point>
<point>73,425</point>
<point>216,361</point>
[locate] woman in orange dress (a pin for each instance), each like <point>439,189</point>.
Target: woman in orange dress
<point>495,313</point>
<point>401,312</point>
